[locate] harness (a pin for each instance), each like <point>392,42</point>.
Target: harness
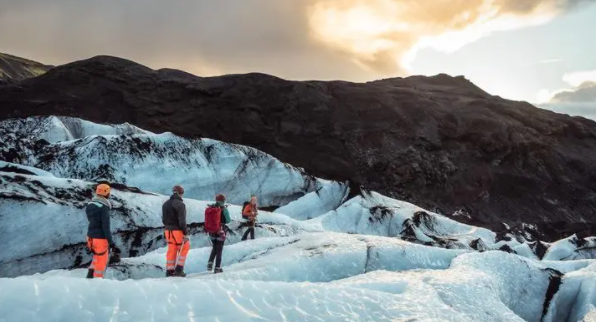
<point>171,236</point>
<point>90,247</point>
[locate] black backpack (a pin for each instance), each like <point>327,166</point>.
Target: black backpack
<point>244,206</point>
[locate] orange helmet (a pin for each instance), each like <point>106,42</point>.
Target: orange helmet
<point>102,190</point>
<point>220,197</point>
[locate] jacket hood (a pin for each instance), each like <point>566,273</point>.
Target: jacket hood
<point>102,200</point>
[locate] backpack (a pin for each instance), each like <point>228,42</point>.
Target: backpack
<point>212,219</point>
<point>244,207</point>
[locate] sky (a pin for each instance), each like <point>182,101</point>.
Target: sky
<point>540,51</point>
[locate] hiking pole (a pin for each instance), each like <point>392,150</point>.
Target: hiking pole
<point>178,252</point>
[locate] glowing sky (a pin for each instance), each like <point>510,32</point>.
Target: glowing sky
<point>520,49</point>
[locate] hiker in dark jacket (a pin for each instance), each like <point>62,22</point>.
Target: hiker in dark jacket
<point>218,239</point>
<point>250,213</point>
<point>99,235</point>
<point>176,232</point>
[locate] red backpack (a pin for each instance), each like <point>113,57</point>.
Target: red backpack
<point>212,219</point>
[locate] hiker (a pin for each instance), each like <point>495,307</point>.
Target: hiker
<point>250,212</point>
<point>216,218</point>
<point>99,235</point>
<point>176,232</point>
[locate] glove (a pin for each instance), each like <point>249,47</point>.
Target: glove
<point>185,238</point>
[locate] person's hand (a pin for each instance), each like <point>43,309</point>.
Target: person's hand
<point>185,238</point>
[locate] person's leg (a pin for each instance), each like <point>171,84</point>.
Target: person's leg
<point>246,233</point>
<point>182,248</point>
<point>93,260</point>
<point>213,250</point>
<point>252,230</point>
<point>101,257</point>
<point>171,253</point>
<point>219,249</point>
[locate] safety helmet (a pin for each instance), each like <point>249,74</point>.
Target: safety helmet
<point>102,190</point>
<point>220,197</point>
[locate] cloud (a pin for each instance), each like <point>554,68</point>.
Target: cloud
<point>324,39</point>
<point>548,61</point>
<point>385,34</point>
<point>579,99</point>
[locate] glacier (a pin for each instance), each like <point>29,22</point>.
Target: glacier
<point>78,149</point>
<point>321,254</point>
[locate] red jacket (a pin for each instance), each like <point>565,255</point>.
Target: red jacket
<point>250,211</point>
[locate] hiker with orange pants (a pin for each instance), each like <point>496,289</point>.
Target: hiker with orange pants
<point>216,218</point>
<point>99,235</point>
<point>176,232</point>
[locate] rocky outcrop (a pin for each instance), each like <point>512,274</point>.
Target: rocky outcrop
<point>439,142</point>
<point>14,69</point>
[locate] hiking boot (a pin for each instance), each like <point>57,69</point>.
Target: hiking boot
<point>210,266</point>
<point>90,273</point>
<point>218,270</point>
<point>170,273</point>
<point>179,271</point>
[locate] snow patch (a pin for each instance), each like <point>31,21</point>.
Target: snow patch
<point>22,169</point>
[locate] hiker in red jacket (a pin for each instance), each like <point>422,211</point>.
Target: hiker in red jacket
<point>250,213</point>
<point>216,218</point>
<point>176,232</point>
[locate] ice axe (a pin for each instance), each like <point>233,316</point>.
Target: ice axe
<point>178,252</point>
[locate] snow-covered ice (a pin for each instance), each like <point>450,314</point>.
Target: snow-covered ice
<point>318,257</point>
<point>54,209</point>
<point>576,297</point>
<point>491,286</point>
<point>315,203</point>
<point>19,168</point>
<point>571,248</point>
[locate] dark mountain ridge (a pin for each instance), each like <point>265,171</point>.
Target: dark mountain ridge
<point>439,142</point>
<point>14,69</point>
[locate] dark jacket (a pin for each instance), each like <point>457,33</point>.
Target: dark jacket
<point>98,214</point>
<point>173,214</point>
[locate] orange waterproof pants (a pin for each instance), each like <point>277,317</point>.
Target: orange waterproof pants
<point>100,256</point>
<point>176,251</point>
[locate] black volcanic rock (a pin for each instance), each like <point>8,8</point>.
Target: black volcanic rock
<point>439,142</point>
<point>14,69</point>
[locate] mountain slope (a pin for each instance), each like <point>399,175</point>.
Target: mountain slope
<point>439,142</point>
<point>14,69</point>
